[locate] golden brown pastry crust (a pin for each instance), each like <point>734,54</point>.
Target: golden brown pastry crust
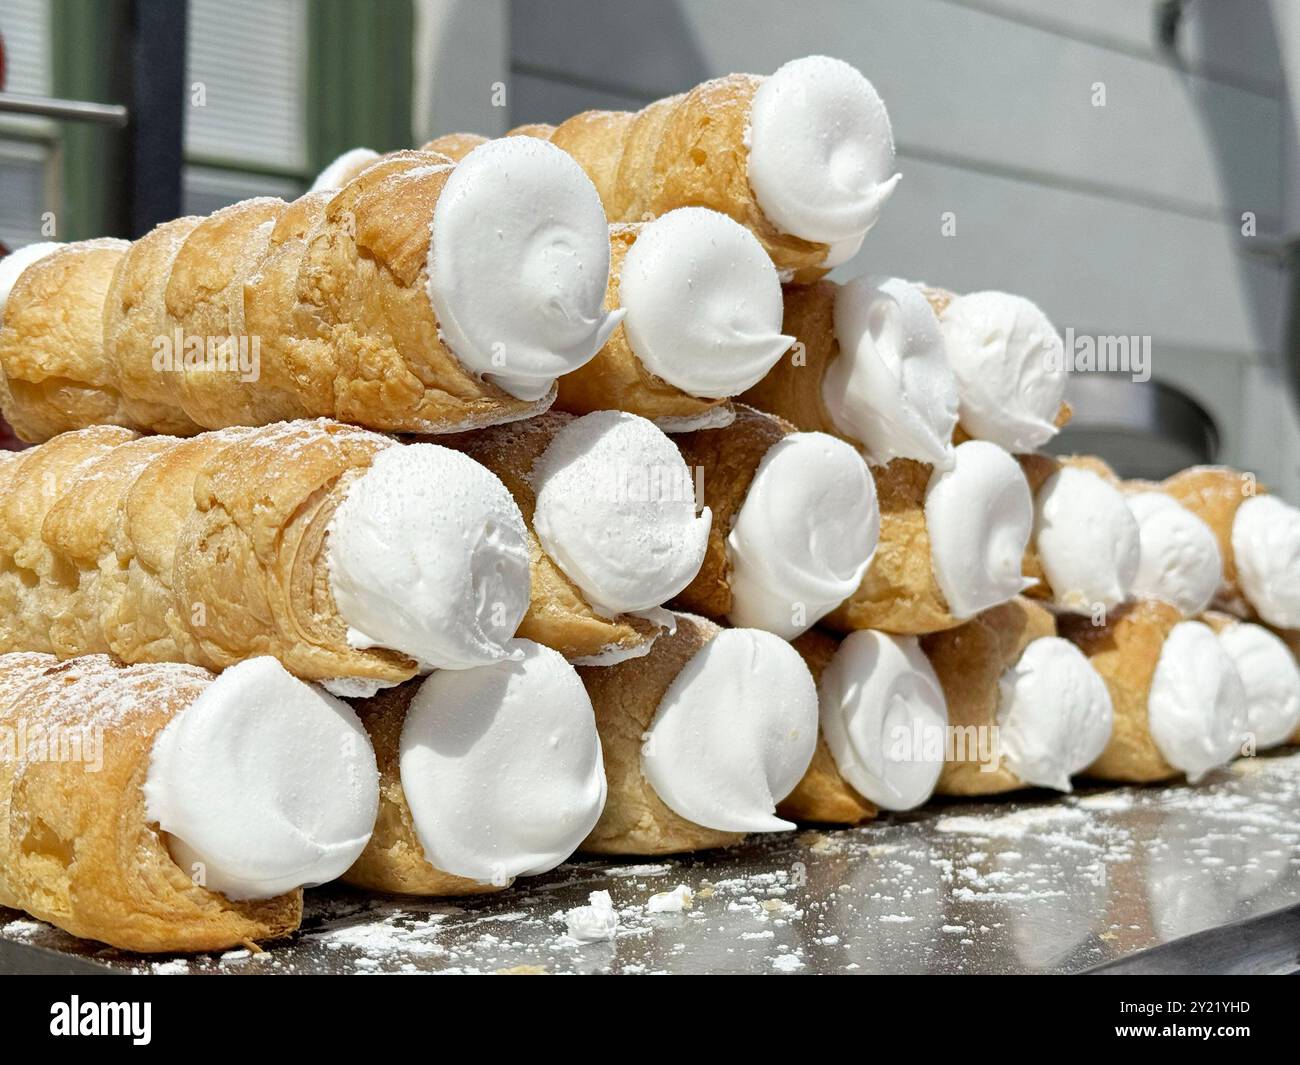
<point>687,150</point>
<point>1125,651</point>
<point>792,389</point>
<point>455,146</point>
<point>899,593</point>
<point>625,697</point>
<point>1094,464</point>
<point>616,379</point>
<point>77,847</point>
<point>969,661</point>
<point>1213,494</point>
<point>207,550</point>
<point>393,860</point>
<point>37,586</point>
<point>134,317</point>
<point>558,614</point>
<point>823,795</point>
<point>53,317</point>
<point>331,289</point>
<point>729,457</point>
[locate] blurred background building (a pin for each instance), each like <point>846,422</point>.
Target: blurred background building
<point>1131,165</point>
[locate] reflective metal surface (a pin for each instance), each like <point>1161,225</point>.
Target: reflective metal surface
<point>1043,884</point>
<point>68,110</point>
<point>1148,430</point>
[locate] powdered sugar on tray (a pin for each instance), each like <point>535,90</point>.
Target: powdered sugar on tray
<point>1030,883</point>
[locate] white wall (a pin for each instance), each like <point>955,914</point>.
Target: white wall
<point>1123,219</point>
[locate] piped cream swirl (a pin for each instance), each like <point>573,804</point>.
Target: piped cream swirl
<point>428,555</point>
<point>883,713</point>
<point>978,515</point>
<point>703,303</point>
<point>821,151</point>
<point>890,387</point>
<point>501,766</point>
<point>518,265</point>
<point>616,511</point>
<point>1010,368</point>
<point>734,733</point>
<point>804,536</point>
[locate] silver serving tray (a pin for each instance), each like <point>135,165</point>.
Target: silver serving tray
<point>1147,879</point>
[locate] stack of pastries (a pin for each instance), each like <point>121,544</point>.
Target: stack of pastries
<point>504,499</point>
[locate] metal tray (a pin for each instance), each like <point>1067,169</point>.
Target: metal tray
<point>1152,879</point>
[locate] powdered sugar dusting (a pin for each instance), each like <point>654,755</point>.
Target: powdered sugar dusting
<point>1024,884</point>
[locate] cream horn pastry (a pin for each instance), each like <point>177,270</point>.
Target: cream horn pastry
<point>868,366</point>
<point>883,722</point>
<point>952,543</point>
<point>702,312</point>
<point>795,523</point>
<point>485,775</point>
<point>612,528</point>
<point>702,322</point>
<point>1180,705</point>
<point>347,556</point>
<point>1259,540</point>
<point>198,809</point>
<point>1025,707</point>
<point>455,146</point>
<point>1009,363</point>
<point>421,296</point>
<point>1269,675</point>
<point>803,158</point>
<point>339,171</point>
<point>702,738</point>
<point>1179,558</point>
<point>1086,546</point>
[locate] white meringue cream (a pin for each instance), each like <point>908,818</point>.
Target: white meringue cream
<point>703,303</point>
<point>1266,548</point>
<point>804,536</point>
<point>1271,680</point>
<point>734,733</point>
<point>356,687</point>
<point>13,264</point>
<point>343,169</point>
<point>428,555</point>
<point>1054,714</point>
<point>518,265</point>
<point>1179,559</point>
<point>821,151</point>
<point>891,388</point>
<point>1010,368</point>
<point>501,766</point>
<point>263,784</point>
<point>616,511</point>
<point>841,251</point>
<point>718,417</point>
<point>880,700</point>
<point>978,515</point>
<point>595,922</point>
<point>1196,709</point>
<point>1087,540</point>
